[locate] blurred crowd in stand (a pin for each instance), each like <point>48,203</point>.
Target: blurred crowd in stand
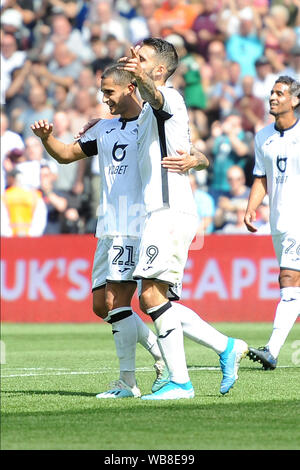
<point>52,55</point>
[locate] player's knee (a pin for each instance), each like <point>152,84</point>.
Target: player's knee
<point>100,309</point>
<point>143,304</point>
<point>289,279</point>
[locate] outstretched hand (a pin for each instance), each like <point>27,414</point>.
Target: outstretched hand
<point>42,128</point>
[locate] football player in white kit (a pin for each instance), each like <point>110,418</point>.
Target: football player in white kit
<point>119,224</point>
<point>171,222</point>
<point>277,173</point>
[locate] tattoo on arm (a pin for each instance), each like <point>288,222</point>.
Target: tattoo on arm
<point>149,92</point>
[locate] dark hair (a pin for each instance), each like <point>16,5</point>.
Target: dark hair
<point>294,86</point>
<point>166,52</point>
<point>120,76</point>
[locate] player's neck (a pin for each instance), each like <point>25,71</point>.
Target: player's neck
<point>285,121</point>
<point>131,112</point>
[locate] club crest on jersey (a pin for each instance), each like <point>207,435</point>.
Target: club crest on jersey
<point>119,152</point>
<point>281,163</point>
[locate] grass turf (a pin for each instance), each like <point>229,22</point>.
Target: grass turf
<point>53,372</point>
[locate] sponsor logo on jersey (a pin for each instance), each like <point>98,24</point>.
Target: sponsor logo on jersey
<point>281,163</point>
<point>108,132</point>
<point>119,151</point>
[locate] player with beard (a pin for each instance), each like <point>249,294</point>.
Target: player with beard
<point>277,173</point>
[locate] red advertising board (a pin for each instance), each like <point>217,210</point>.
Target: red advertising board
<point>48,279</point>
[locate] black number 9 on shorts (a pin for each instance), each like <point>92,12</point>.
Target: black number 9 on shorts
<point>152,252</point>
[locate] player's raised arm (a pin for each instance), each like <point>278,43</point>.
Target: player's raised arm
<point>257,193</point>
<point>145,84</point>
<point>62,153</point>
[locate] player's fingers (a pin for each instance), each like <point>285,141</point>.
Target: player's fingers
<point>133,52</point>
<point>171,159</point>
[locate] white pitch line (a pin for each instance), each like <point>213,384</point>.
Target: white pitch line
<point>102,371</point>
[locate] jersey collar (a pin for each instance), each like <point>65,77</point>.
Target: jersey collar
<point>282,131</point>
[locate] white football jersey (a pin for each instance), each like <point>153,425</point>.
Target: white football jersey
<point>121,210</point>
<point>161,133</point>
<point>277,156</point>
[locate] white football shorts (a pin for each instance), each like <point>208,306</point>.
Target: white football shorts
<point>115,260</point>
<point>287,249</point>
<point>165,243</point>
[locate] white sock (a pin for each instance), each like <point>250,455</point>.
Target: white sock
<point>170,340</point>
<point>198,330</point>
<point>287,312</point>
<point>147,338</point>
<point>125,337</point>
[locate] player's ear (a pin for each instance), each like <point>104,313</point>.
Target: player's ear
<point>131,88</point>
<point>295,101</point>
<point>160,71</point>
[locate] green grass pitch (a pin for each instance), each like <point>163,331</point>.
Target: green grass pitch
<point>52,373</point>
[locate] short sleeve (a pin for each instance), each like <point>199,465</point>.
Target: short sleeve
<point>259,167</point>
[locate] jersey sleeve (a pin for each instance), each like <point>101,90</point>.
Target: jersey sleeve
<point>259,167</point>
<point>172,99</point>
<point>88,142</point>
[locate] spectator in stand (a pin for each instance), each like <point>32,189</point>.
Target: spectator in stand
<point>23,211</point>
<point>205,27</point>
<point>61,100</point>
<point>28,171</point>
<point>101,60</point>
<point>66,177</point>
<point>38,107</point>
<point>215,74</point>
<point>224,94</point>
<point>176,17</point>
<point>232,11</point>
<point>276,27</point>
<point>9,140</point>
<point>110,22</point>
<point>226,208</point>
<point>55,200</point>
<point>34,151</point>
<point>263,82</point>
<point>216,54</point>
<point>205,207</point>
<point>82,109</point>
<point>285,65</point>
<point>246,46</point>
<point>143,25</point>
<point>12,22</point>
<point>229,145</point>
<point>62,32</point>
<point>86,81</point>
<point>11,58</point>
<point>16,95</point>
<point>251,108</point>
<point>188,79</point>
<point>70,8</point>
<point>63,69</point>
<point>237,228</point>
<point>70,180</point>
